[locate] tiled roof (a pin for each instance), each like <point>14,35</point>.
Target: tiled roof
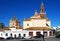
<point>39,28</point>
<point>32,18</point>
<point>19,27</point>
<point>42,16</point>
<point>27,19</point>
<point>6,28</point>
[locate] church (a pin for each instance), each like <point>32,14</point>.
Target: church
<point>36,24</point>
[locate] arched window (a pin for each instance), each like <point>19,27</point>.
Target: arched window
<point>27,24</point>
<point>1,34</point>
<point>24,35</point>
<point>19,35</point>
<point>11,34</point>
<point>6,34</point>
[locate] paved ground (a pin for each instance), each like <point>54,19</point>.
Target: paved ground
<point>52,39</point>
<point>22,40</point>
<point>47,39</point>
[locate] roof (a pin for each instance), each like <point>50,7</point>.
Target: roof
<point>33,18</point>
<point>6,28</point>
<point>38,16</point>
<point>39,28</point>
<point>19,27</point>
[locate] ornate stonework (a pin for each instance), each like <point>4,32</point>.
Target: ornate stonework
<point>14,22</point>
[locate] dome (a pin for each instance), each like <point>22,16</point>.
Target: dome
<point>15,19</point>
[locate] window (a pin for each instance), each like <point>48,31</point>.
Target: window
<point>27,24</point>
<point>30,33</point>
<point>47,25</point>
<point>24,35</point>
<point>11,34</point>
<point>1,34</point>
<point>6,34</point>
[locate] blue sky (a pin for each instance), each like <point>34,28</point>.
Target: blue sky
<point>25,8</point>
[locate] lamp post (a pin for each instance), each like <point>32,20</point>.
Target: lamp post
<point>43,34</point>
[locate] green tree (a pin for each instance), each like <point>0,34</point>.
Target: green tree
<point>2,25</point>
<point>57,32</point>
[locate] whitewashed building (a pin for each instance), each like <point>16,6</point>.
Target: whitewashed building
<point>36,24</point>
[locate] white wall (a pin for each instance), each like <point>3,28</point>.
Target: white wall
<point>16,32</point>
<point>35,23</point>
<point>38,23</point>
<point>42,32</point>
<point>34,33</point>
<point>48,33</point>
<point>2,34</point>
<point>49,23</point>
<point>25,24</point>
<point>21,32</point>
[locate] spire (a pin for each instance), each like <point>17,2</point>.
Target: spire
<point>42,11</point>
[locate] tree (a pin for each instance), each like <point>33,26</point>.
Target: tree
<point>57,32</point>
<point>2,25</point>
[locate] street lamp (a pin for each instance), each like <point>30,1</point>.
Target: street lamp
<point>43,34</point>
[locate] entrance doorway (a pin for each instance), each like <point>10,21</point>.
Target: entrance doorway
<point>45,34</point>
<point>11,35</point>
<point>51,33</point>
<point>31,34</point>
<point>37,33</point>
<point>19,35</point>
<point>15,35</point>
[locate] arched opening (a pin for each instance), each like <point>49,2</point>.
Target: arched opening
<point>19,35</point>
<point>37,33</point>
<point>31,34</point>
<point>1,34</point>
<point>15,35</point>
<point>24,35</point>
<point>11,34</point>
<point>6,34</point>
<point>45,34</point>
<point>50,33</point>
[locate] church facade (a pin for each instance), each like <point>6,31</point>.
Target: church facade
<point>36,24</point>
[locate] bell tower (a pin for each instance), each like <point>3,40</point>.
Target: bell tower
<point>14,22</point>
<point>42,11</point>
